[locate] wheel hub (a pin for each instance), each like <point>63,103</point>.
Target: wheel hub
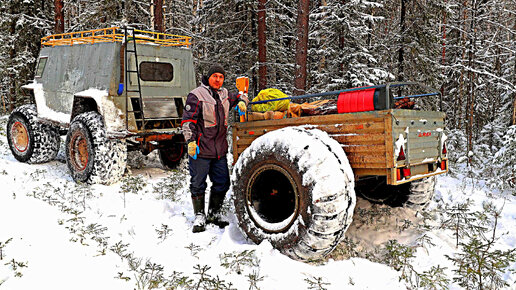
<point>20,136</point>
<point>175,153</point>
<point>79,151</point>
<point>272,198</point>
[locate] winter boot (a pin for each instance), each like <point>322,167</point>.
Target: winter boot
<point>199,224</point>
<point>214,214</point>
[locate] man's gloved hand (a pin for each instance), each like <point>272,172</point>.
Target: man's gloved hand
<point>193,149</point>
<point>242,107</point>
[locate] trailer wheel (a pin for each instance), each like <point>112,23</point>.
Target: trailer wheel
<point>295,188</point>
<point>173,152</point>
<point>375,189</point>
<point>415,195</point>
<point>92,157</point>
<point>419,193</point>
<point>29,140</point>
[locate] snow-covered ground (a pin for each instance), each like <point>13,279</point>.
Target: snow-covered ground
<point>55,234</point>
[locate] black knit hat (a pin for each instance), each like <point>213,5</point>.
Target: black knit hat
<point>216,68</point>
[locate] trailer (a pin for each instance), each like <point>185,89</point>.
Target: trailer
<point>295,179</point>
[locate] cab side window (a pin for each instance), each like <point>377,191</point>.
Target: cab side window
<point>42,62</point>
<point>156,71</point>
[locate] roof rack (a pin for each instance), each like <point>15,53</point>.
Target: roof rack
<point>114,34</point>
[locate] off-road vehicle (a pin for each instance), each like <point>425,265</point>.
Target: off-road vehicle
<point>109,90</point>
<point>294,179</point>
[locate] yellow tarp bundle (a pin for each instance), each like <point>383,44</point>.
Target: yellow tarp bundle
<point>269,94</point>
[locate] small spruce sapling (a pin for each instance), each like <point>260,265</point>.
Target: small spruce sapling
<point>132,184</point>
<point>120,249</point>
<point>479,265</point>
<point>317,283</point>
<point>179,281</point>
<point>16,267</point>
<point>150,277</point>
<point>348,248</point>
<point>398,256</point>
<point>169,186</point>
<point>163,232</point>
<point>206,281</point>
<point>253,279</point>
<point>351,282</point>
<point>238,261</point>
<point>2,246</point>
<point>120,275</point>
<point>463,221</point>
<point>194,249</point>
<point>405,225</point>
<point>434,279</point>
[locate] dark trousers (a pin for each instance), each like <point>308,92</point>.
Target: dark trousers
<point>218,171</point>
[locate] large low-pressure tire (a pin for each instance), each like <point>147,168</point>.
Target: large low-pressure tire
<point>295,188</point>
<point>420,192</point>
<point>415,195</point>
<point>91,156</point>
<point>30,140</point>
<point>173,153</point>
<point>376,190</point>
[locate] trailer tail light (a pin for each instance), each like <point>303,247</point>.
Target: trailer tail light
<point>443,165</point>
<point>403,173</point>
<point>401,155</point>
<point>444,149</point>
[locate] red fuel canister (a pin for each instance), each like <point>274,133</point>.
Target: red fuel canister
<point>356,101</point>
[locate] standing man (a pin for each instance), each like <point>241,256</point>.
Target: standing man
<point>205,124</point>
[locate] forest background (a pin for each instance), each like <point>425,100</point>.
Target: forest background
<point>464,48</point>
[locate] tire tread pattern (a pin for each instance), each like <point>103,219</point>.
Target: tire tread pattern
<point>110,155</point>
<point>420,193</point>
<point>46,139</point>
<point>329,215</point>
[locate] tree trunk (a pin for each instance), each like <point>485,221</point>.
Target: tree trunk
<point>158,16</point>
<point>301,47</point>
<point>513,108</point>
<point>322,62</point>
<point>58,16</point>
<point>12,75</point>
<point>254,46</point>
<point>495,101</point>
<point>443,61</point>
<point>127,10</point>
<point>262,46</point>
<point>402,40</point>
<point>471,79</point>
<point>460,100</point>
<point>514,81</point>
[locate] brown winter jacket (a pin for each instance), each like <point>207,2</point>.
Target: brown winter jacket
<point>205,118</point>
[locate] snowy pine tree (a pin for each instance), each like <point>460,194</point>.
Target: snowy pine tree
<point>340,52</point>
<point>24,22</point>
<point>505,162</point>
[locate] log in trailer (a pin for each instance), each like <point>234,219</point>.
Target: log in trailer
<point>295,179</point>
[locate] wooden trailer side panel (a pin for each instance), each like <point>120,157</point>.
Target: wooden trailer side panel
<point>365,137</point>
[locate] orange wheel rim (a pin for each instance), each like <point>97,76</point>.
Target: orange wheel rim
<point>20,136</point>
<point>79,151</point>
